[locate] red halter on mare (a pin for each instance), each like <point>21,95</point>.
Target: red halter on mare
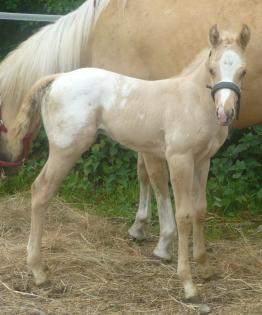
<point>26,146</point>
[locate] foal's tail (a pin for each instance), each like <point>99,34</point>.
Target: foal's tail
<point>28,117</point>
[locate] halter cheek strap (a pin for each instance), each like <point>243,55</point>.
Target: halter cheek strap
<point>230,86</point>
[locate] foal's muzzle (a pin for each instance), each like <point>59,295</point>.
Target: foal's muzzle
<point>230,86</point>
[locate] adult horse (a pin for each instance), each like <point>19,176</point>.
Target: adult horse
<point>145,39</point>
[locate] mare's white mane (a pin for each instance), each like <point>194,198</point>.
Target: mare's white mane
<point>55,48</point>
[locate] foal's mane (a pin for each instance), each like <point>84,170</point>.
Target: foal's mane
<point>55,48</point>
<point>197,61</point>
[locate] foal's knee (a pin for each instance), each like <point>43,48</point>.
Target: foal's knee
<point>184,219</point>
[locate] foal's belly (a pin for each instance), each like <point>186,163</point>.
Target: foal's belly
<point>136,137</point>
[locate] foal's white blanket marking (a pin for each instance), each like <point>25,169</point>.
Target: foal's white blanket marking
<point>75,105</point>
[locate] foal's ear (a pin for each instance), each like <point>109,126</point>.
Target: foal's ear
<point>244,36</point>
<point>214,36</point>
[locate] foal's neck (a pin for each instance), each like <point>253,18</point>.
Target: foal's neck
<point>197,72</point>
<point>200,75</point>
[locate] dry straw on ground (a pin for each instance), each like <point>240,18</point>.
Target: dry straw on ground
<point>94,268</point>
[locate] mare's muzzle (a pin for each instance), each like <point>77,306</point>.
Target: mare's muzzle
<point>230,86</point>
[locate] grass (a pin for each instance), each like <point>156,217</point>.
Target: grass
<point>122,203</point>
<point>94,266</point>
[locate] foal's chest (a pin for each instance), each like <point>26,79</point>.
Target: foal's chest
<point>212,143</point>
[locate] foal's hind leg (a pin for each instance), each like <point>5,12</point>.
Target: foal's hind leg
<point>200,204</point>
<point>44,188</point>
<point>143,215</point>
<point>158,174</point>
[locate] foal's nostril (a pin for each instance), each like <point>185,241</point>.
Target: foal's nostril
<point>231,113</point>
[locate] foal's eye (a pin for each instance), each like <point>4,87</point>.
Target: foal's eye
<point>211,71</point>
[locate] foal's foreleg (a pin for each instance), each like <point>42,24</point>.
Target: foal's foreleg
<point>181,168</point>
<point>43,189</point>
<point>143,215</point>
<point>200,204</point>
<point>158,174</point>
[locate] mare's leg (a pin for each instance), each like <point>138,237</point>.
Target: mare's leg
<point>200,205</point>
<point>181,168</point>
<point>58,165</point>
<point>143,215</point>
<point>158,175</point>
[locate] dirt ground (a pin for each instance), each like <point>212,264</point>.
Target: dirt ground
<point>94,268</point>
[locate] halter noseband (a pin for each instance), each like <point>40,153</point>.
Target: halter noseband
<point>230,86</point>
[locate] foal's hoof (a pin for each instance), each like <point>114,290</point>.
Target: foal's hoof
<point>40,275</point>
<point>204,309</point>
<point>162,254</point>
<point>40,279</point>
<point>136,234</point>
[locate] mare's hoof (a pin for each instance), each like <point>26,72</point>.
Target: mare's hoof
<point>162,255</point>
<point>136,234</point>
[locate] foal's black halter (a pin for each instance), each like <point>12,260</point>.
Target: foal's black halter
<point>230,86</point>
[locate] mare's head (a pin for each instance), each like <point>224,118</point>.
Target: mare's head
<point>227,68</point>
<point>15,140</point>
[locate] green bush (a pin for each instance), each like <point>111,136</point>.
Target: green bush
<point>235,182</point>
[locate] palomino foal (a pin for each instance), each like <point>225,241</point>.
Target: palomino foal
<point>177,119</point>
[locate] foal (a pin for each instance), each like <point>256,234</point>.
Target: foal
<point>176,119</point>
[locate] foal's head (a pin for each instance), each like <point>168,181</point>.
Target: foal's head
<point>227,68</point>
